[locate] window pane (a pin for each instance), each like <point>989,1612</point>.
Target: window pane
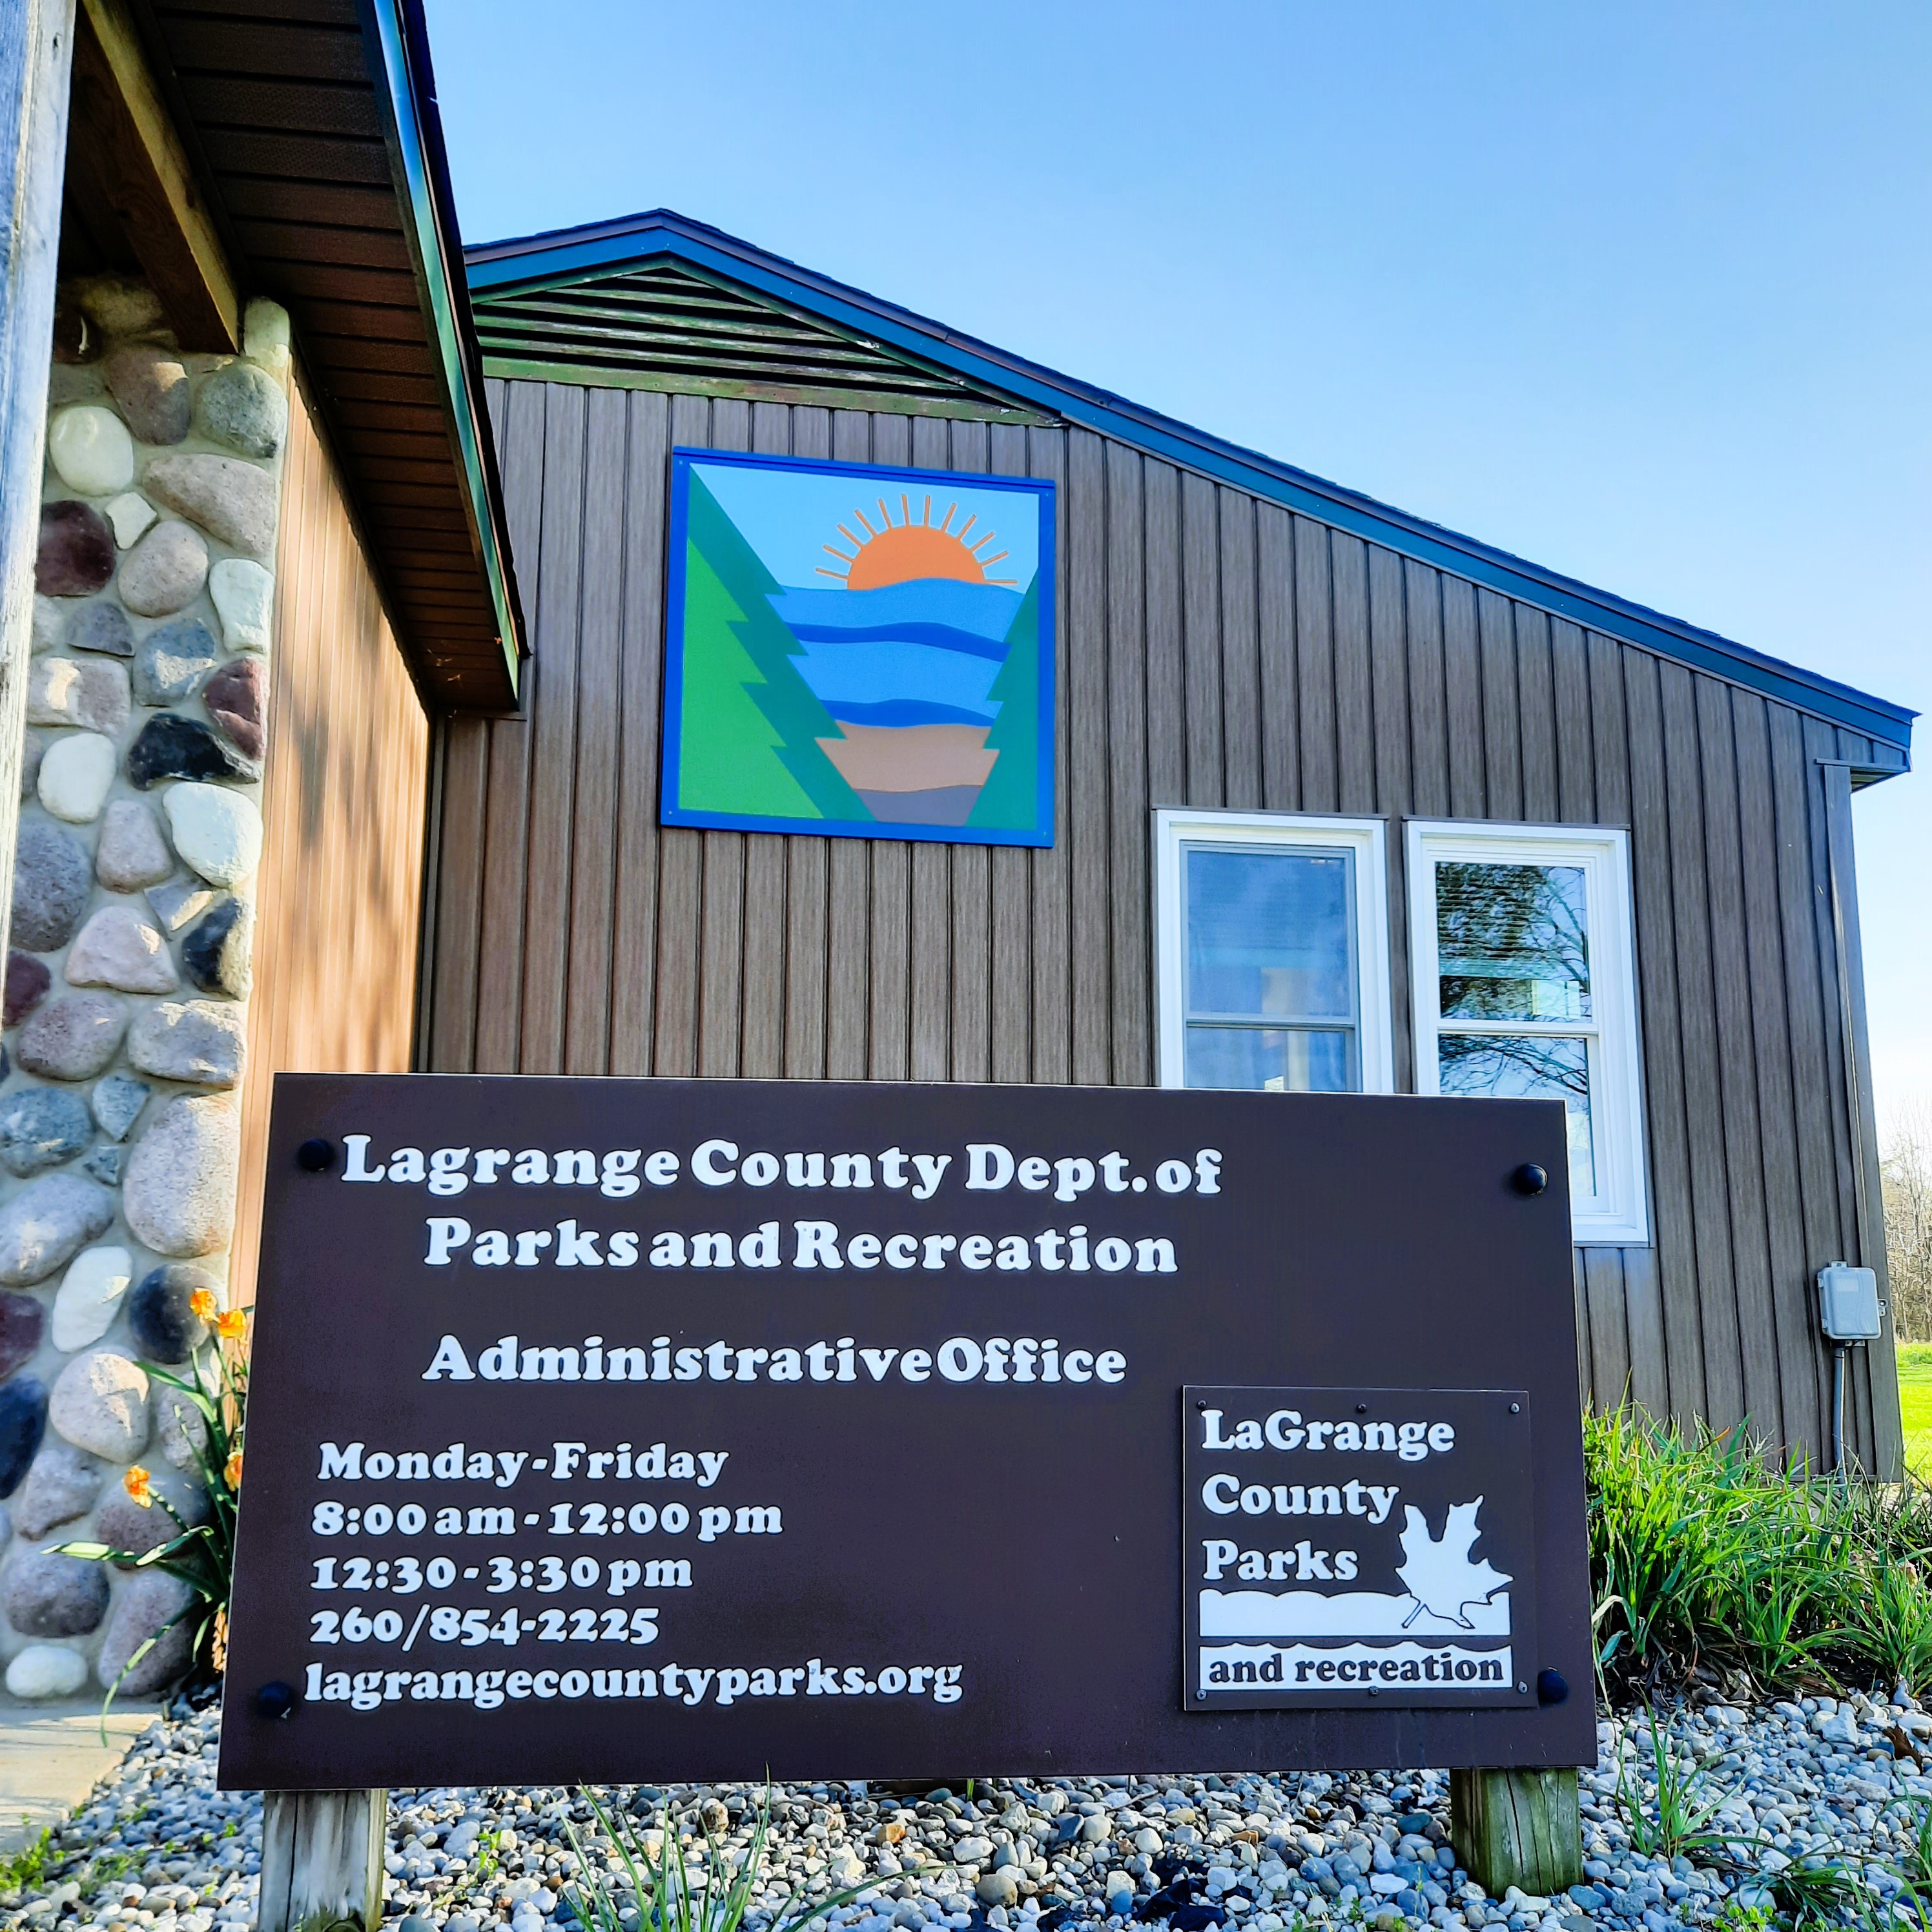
<point>1274,1059</point>
<point>1527,1067</point>
<point>1267,935</point>
<point>1510,943</point>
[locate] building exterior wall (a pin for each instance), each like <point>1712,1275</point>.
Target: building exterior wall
<point>128,985</point>
<point>345,794</point>
<point>1215,650</point>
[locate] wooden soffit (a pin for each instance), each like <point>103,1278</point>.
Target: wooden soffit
<point>308,130</point>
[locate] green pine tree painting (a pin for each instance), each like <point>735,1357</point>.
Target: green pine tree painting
<point>750,724</point>
<point>1009,797</point>
<point>730,755</point>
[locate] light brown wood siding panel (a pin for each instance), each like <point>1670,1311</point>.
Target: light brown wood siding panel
<point>1214,650</point>
<point>339,897</point>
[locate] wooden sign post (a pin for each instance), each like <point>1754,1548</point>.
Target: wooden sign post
<point>1519,1827</point>
<point>322,1860</point>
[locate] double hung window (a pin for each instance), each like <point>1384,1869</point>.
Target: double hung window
<point>1523,990</point>
<point>1273,965</point>
<point>1272,952</point>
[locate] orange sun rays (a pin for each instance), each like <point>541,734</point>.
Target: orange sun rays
<point>902,552</point>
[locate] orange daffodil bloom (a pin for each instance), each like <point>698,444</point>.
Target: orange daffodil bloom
<point>230,1324</point>
<point>138,1485</point>
<point>231,1474</point>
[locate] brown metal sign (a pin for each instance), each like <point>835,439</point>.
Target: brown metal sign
<point>621,1429</point>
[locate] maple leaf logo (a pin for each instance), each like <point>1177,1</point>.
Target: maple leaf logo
<point>1440,1576</point>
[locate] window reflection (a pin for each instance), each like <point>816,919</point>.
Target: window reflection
<point>1271,996</point>
<point>1274,1060</point>
<point>1267,935</point>
<point>1527,1067</point>
<point>1511,943</point>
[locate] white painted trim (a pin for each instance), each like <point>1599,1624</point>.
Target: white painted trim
<point>1366,838</point>
<point>1618,1212</point>
<point>36,59</point>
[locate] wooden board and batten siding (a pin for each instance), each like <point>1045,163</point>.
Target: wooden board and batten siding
<point>1217,650</point>
<point>344,800</point>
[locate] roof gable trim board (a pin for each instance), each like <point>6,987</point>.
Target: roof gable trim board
<point>572,254</point>
<point>404,56</point>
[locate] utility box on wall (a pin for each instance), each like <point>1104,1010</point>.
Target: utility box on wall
<point>1848,1304</point>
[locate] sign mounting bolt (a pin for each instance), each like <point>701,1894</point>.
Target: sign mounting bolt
<point>316,1157</point>
<point>1516,1408</point>
<point>1529,1178</point>
<point>276,1699</point>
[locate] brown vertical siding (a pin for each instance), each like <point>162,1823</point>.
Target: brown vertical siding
<point>1214,650</point>
<point>339,898</point>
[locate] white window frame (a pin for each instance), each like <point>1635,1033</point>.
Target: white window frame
<point>1619,1210</point>
<point>1364,839</point>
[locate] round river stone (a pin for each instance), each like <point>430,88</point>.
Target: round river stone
<point>53,881</point>
<point>151,387</point>
<point>243,407</point>
<point>172,660</point>
<point>28,979</point>
<point>46,1595</point>
<point>73,1037</point>
<point>76,553</point>
<point>22,1322</point>
<point>100,1404</point>
<point>161,1317</point>
<point>164,571</point>
<point>40,1127</point>
<point>23,1421</point>
<point>171,746</point>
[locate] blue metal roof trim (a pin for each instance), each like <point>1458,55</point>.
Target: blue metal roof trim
<point>577,253</point>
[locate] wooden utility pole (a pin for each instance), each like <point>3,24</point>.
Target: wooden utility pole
<point>36,60</point>
<point>322,1860</point>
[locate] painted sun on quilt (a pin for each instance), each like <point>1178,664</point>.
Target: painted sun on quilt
<point>861,652</point>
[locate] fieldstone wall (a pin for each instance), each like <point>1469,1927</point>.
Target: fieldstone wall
<point>128,982</point>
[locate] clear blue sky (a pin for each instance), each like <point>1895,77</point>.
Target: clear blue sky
<point>1640,292</point>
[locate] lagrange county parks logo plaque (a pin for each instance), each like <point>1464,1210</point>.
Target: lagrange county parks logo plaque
<point>859,651</point>
<point>1346,1545</point>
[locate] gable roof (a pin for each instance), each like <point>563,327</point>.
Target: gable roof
<point>313,128</point>
<point>666,325</point>
<point>512,273</point>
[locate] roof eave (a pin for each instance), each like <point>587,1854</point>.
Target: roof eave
<point>601,246</point>
<point>397,38</point>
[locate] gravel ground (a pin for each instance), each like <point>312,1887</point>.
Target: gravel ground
<point>1820,1783</point>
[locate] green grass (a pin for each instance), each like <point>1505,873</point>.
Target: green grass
<point>1704,1553</point>
<point>28,1867</point>
<point>1915,1398</point>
